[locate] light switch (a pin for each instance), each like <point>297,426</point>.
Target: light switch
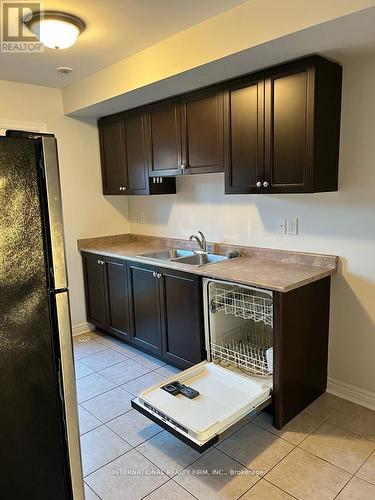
<point>292,225</point>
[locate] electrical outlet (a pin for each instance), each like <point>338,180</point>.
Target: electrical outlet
<point>281,225</point>
<point>292,225</point>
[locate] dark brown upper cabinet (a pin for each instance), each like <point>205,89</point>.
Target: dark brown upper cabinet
<point>124,156</point>
<point>274,131</point>
<point>283,128</point>
<point>202,124</point>
<point>244,132</point>
<point>113,155</point>
<point>136,154</point>
<point>164,138</point>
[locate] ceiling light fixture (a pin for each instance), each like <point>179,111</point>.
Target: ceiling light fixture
<point>56,30</point>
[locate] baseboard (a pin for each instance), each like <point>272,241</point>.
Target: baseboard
<point>82,328</point>
<point>351,393</point>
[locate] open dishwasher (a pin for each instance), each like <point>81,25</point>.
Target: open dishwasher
<point>236,379</point>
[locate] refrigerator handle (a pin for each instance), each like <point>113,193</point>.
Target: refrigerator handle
<point>55,216</point>
<point>69,393</point>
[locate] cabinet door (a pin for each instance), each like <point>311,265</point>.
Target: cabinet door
<point>203,131</point>
<point>113,155</point>
<point>164,131</point>
<point>289,112</point>
<point>95,288</point>
<point>181,314</point>
<point>136,181</point>
<point>244,158</point>
<point>118,300</point>
<point>145,307</point>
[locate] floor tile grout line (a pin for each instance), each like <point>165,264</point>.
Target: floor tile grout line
<point>104,392</point>
<point>91,353</point>
<point>345,485</point>
<point>156,489</point>
<point>170,480</point>
<point>110,420</point>
<point>277,435</point>
<point>92,490</point>
<point>133,446</point>
<point>252,470</point>
<point>116,385</point>
<point>287,492</point>
<point>158,466</point>
<point>325,460</point>
<point>181,486</point>
<point>115,363</point>
<point>104,465</point>
<point>362,479</point>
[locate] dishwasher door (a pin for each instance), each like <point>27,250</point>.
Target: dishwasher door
<point>225,398</point>
<point>234,382</point>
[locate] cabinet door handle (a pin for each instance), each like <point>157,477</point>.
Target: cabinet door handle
<point>259,184</point>
<point>120,188</point>
<point>158,275</point>
<point>183,167</point>
<point>265,184</point>
<point>154,275</point>
<point>99,262</point>
<point>124,188</point>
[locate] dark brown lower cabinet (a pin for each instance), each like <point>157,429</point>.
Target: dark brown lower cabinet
<point>118,298</point>
<point>106,291</point>
<point>301,327</point>
<point>145,307</point>
<point>181,317</point>
<point>95,289</point>
<point>166,313</point>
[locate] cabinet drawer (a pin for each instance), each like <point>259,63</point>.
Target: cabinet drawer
<point>225,397</point>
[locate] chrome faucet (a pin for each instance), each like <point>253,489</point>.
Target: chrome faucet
<point>202,242</point>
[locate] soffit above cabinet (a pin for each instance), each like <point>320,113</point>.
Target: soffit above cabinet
<point>191,59</point>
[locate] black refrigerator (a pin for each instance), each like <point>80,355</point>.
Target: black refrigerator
<point>39,434</point>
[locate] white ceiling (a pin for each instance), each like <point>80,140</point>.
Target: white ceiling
<point>115,29</point>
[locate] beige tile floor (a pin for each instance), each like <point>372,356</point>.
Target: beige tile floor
<point>326,452</point>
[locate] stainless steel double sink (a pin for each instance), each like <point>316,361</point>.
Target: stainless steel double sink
<point>182,256</point>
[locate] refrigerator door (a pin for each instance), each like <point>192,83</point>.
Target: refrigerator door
<point>34,451</point>
<point>54,213</point>
<point>69,394</point>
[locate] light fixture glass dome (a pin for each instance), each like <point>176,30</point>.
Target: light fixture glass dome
<point>55,30</point>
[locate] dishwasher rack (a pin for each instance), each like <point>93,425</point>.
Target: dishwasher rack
<point>249,349</point>
<point>243,303</point>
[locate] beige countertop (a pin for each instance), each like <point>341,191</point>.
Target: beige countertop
<point>277,270</point>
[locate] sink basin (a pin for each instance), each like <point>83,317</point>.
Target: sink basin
<point>201,259</point>
<point>172,253</point>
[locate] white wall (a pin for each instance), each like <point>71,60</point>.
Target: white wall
<point>86,212</point>
<point>341,223</point>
